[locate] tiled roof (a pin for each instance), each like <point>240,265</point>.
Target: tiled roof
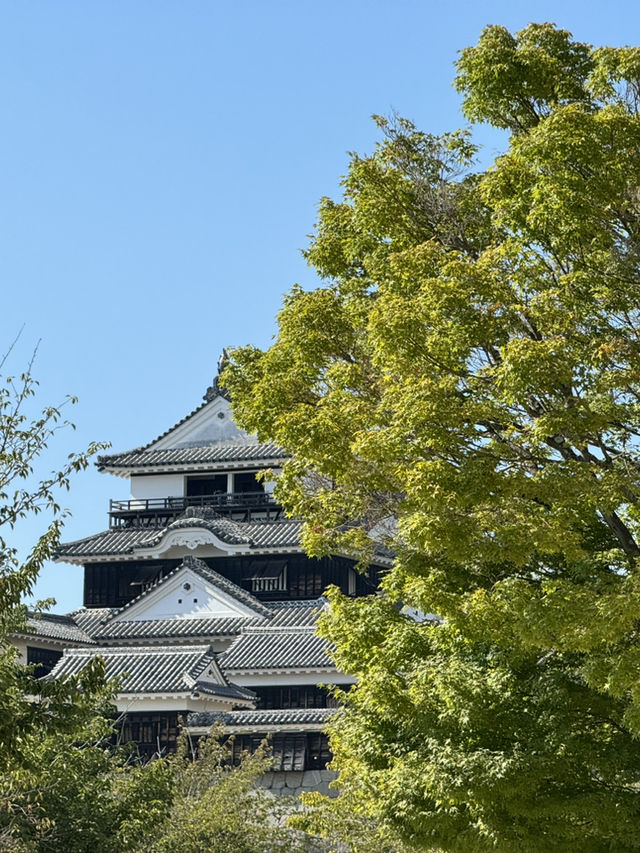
<point>255,719</point>
<point>138,629</point>
<point>257,535</point>
<point>213,577</point>
<point>278,614</point>
<point>296,613</point>
<point>169,669</point>
<point>54,627</point>
<point>277,648</point>
<point>91,620</point>
<point>116,541</point>
<point>220,452</point>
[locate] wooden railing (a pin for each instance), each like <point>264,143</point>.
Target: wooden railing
<point>179,504</point>
<point>152,511</point>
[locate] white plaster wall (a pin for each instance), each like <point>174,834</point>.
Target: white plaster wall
<point>199,602</point>
<point>157,486</point>
<point>172,600</point>
<point>269,485</point>
<point>178,551</point>
<point>213,423</point>
<point>36,643</point>
<point>21,646</point>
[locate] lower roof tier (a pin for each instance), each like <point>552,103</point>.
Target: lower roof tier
<point>198,527</point>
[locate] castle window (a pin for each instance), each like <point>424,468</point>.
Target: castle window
<point>246,482</point>
<point>268,575</point>
<point>45,660</point>
<point>289,751</point>
<point>303,696</point>
<point>213,485</point>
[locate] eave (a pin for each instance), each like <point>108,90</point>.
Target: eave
<point>128,471</point>
<point>239,551</point>
<point>288,670</point>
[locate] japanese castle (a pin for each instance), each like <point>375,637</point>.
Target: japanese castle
<point>199,595</point>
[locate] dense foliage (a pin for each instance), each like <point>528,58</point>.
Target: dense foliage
<point>219,808</point>
<point>466,383</point>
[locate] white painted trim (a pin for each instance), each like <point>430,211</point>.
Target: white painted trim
<point>80,560</point>
<point>125,471</point>
<point>141,702</point>
<point>40,641</point>
<point>243,551</point>
<point>190,538</point>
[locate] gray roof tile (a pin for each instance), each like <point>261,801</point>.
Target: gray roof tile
<point>288,614</point>
<point>255,719</point>
<point>277,648</point>
<point>170,669</point>
<point>138,629</point>
<point>116,541</point>
<point>91,620</point>
<point>56,627</point>
<point>221,452</point>
<point>277,614</point>
<point>257,535</point>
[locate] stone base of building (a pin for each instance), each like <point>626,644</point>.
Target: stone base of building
<point>292,783</point>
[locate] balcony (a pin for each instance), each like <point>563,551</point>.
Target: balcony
<point>157,512</point>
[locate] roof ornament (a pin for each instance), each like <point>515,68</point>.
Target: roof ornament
<point>215,389</point>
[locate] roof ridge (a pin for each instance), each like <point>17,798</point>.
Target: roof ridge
<point>138,650</point>
<point>299,602</point>
<point>63,618</point>
<point>167,431</point>
<point>278,629</point>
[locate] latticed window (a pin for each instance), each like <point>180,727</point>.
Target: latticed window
<point>44,659</point>
<point>318,752</point>
<point>268,575</point>
<point>154,733</point>
<point>304,751</point>
<point>289,752</point>
<point>307,696</point>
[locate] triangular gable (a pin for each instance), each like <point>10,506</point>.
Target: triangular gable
<point>192,591</point>
<point>208,424</point>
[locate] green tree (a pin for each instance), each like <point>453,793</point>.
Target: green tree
<point>218,808</point>
<point>465,384</point>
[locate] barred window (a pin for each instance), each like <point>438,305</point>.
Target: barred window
<point>289,751</point>
<point>44,659</point>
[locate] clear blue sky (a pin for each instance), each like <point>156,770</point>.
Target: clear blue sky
<point>161,163</point>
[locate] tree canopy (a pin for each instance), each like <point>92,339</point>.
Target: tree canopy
<point>465,382</point>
